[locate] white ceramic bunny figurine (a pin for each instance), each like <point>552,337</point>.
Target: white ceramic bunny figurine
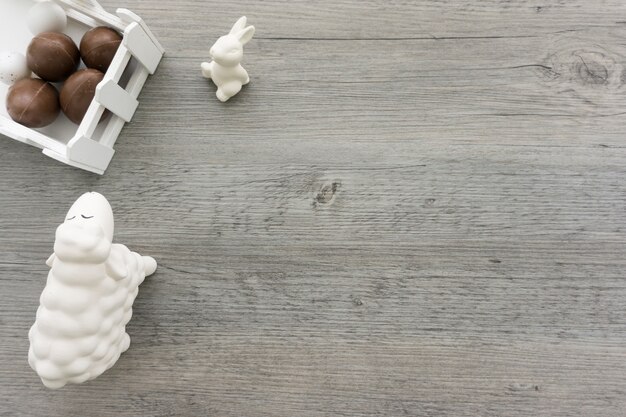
<point>80,330</point>
<point>225,70</point>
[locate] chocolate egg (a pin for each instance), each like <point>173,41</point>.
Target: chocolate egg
<point>78,92</point>
<point>98,47</point>
<point>53,56</point>
<point>32,102</point>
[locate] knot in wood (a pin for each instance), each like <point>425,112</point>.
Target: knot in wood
<point>582,67</point>
<point>587,73</point>
<point>326,194</point>
<point>590,70</point>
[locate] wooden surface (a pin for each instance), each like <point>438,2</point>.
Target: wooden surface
<point>415,208</point>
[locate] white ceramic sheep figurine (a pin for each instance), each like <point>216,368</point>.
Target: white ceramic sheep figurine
<point>225,70</point>
<point>80,330</point>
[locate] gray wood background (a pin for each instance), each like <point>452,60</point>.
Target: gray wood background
<point>415,208</point>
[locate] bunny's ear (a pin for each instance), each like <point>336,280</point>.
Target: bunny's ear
<point>245,35</point>
<point>239,24</point>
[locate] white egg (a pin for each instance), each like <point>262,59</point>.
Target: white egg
<point>13,67</point>
<point>46,17</point>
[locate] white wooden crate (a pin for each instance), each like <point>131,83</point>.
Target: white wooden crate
<point>88,146</point>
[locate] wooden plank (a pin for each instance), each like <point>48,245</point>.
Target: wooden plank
<point>115,98</point>
<point>92,12</point>
<point>141,47</point>
<point>382,223</point>
<point>115,125</point>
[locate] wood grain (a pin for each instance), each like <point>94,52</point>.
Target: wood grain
<point>415,208</point>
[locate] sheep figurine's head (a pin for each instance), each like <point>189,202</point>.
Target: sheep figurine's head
<point>87,232</point>
<point>228,49</point>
